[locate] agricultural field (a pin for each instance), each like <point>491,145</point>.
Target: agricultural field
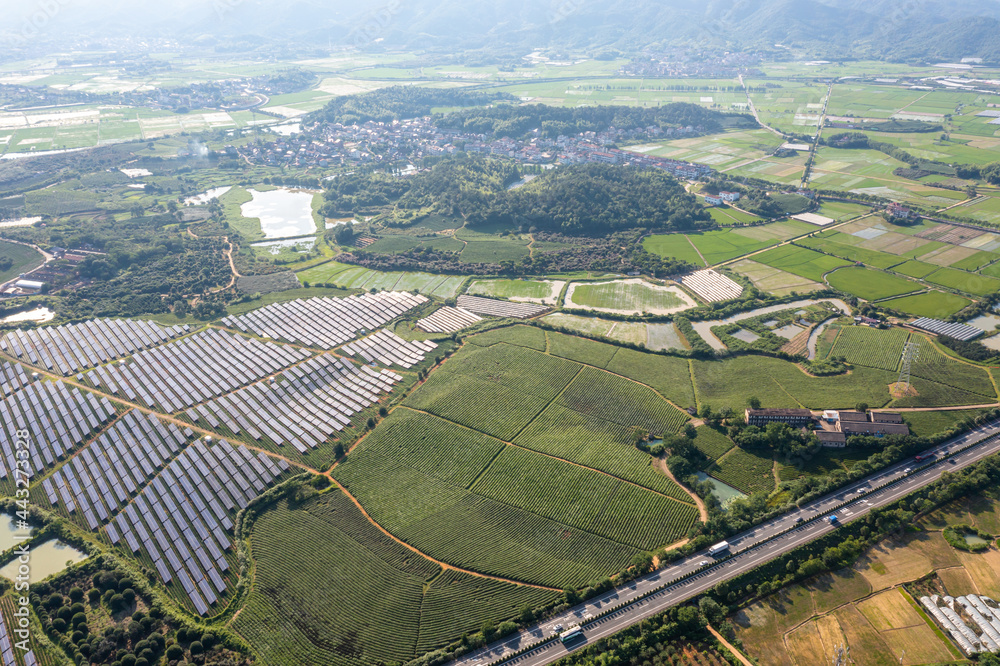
<point>571,428</point>
<point>22,259</point>
<point>378,583</point>
<point>933,303</point>
<point>722,151</point>
<point>870,285</point>
<point>871,347</point>
<point>714,247</point>
<point>533,291</point>
<point>926,424</point>
<point>623,331</point>
<point>800,261</point>
<point>774,280</point>
<point>356,277</point>
<point>712,442</point>
<point>627,297</point>
<point>871,607</point>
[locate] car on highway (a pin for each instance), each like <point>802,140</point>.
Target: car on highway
<point>557,628</point>
<point>704,563</point>
<point>800,520</point>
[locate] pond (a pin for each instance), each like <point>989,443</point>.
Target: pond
<point>282,213</point>
<point>38,315</point>
<point>47,559</point>
<point>975,540</point>
<point>986,323</point>
<point>745,335</point>
<point>991,342</point>
<point>9,532</point>
<point>205,197</point>
<point>723,491</point>
<point>788,332</point>
<point>704,328</point>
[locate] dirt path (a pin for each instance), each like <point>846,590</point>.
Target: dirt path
<point>729,646</point>
<point>661,465</point>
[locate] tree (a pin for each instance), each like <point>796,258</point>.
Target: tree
<point>753,402</point>
<point>489,631</point>
<point>861,407</point>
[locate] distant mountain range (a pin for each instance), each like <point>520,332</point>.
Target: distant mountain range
<point>926,30</point>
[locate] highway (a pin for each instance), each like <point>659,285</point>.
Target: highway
<point>693,575</point>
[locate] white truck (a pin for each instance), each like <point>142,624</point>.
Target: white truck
<point>718,548</point>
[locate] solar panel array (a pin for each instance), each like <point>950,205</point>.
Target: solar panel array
<point>12,377</point>
<point>448,320</point>
<point>182,518</point>
<point>72,347</point>
<point>58,419</point>
<point>207,364</point>
<point>388,348</point>
<point>7,648</point>
<point>951,329</point>
<point>325,322</point>
<point>310,402</point>
<point>106,474</point>
<point>496,308</point>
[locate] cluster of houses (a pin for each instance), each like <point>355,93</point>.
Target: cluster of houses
<point>332,144</point>
<point>832,427</point>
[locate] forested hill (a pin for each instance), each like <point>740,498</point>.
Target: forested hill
<point>596,199</point>
<point>590,199</point>
<point>504,120</point>
<point>398,102</point>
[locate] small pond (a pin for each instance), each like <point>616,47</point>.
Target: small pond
<point>975,540</point>
<point>47,559</point>
<point>745,335</point>
<point>205,197</point>
<point>282,213</point>
<point>294,244</point>
<point>788,332</point>
<point>39,315</point>
<point>723,491</point>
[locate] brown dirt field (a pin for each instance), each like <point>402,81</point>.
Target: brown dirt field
<point>957,581</point>
<point>830,591</point>
<point>984,570</point>
<point>757,626</point>
<point>904,245</point>
<point>947,256</point>
<point>919,643</point>
<point>865,643</point>
<point>889,610</point>
<point>900,560</point>
<point>815,641</point>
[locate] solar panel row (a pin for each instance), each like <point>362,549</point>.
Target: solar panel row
<point>388,349</point>
<point>182,517</point>
<point>114,467</point>
<point>303,407</point>
<point>69,348</point>
<point>448,320</point>
<point>57,419</point>
<point>178,375</point>
<point>12,377</point>
<point>326,322</point>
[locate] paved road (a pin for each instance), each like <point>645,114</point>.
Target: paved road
<point>749,550</point>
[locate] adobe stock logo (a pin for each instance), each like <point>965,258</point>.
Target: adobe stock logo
<point>374,24</point>
<point>34,24</point>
